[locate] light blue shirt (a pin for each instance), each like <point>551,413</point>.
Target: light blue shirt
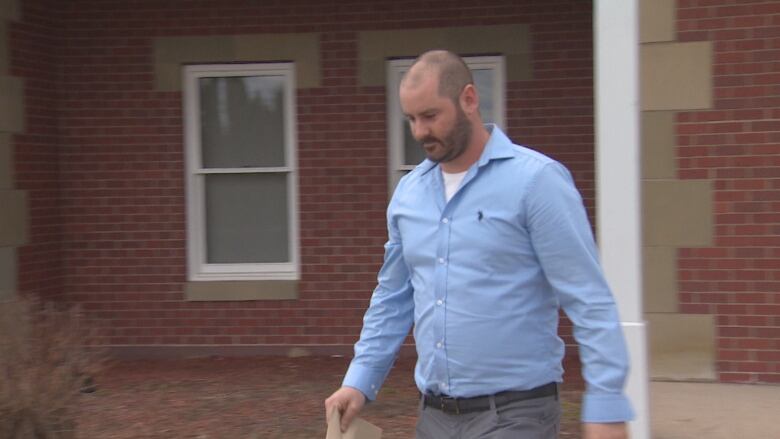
<point>482,277</point>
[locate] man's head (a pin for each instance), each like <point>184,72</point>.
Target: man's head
<point>452,72</point>
<point>441,103</point>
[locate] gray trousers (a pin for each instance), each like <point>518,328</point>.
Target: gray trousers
<point>530,419</point>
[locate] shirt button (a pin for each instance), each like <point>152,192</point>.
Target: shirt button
<point>441,260</point>
<point>438,345</point>
<point>439,302</point>
<point>443,385</point>
<point>445,220</point>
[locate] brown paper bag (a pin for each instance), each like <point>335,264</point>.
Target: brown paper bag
<point>358,429</point>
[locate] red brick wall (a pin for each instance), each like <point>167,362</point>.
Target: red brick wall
<point>121,158</point>
<point>554,111</point>
<point>737,146</point>
<point>34,54</point>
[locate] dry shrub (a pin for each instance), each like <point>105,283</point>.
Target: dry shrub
<point>44,364</point>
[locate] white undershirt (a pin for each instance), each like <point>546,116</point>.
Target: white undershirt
<point>452,182</point>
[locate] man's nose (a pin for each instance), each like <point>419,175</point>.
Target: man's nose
<point>419,130</point>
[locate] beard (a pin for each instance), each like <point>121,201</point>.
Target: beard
<point>454,143</point>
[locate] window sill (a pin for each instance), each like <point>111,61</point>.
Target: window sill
<point>241,290</point>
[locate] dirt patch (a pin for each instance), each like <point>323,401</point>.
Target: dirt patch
<point>253,398</point>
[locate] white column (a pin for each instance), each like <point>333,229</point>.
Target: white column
<point>618,185</point>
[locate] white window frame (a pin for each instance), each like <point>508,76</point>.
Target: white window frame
<point>197,267</point>
<point>396,119</point>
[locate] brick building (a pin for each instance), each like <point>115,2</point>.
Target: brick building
<point>115,198</point>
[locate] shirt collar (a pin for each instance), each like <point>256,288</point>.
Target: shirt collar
<point>498,146</point>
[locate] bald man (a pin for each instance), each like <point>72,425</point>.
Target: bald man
<point>487,240</point>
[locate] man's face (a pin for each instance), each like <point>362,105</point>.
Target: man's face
<point>437,122</point>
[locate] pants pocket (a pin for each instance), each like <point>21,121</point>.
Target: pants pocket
<point>532,419</point>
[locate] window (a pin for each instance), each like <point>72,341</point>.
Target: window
<point>405,152</point>
<point>241,171</point>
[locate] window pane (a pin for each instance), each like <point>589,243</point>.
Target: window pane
<point>483,80</point>
<point>242,121</point>
<point>413,151</point>
<point>246,218</point>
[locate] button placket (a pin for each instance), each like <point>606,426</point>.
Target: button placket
<point>439,294</point>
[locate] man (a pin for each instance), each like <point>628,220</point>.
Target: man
<point>486,241</point>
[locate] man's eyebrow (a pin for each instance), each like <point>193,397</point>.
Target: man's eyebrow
<point>426,111</point>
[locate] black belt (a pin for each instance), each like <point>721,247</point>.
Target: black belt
<point>451,405</point>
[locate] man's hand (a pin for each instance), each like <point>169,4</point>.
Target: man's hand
<point>348,401</point>
<point>617,430</point>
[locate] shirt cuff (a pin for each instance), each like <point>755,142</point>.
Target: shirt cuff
<point>365,379</point>
<point>606,407</point>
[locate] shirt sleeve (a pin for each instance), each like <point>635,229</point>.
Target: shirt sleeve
<point>387,321</point>
<point>561,235</point>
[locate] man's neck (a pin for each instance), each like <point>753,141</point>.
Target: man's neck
<point>472,153</point>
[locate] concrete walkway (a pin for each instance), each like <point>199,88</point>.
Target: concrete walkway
<point>714,411</point>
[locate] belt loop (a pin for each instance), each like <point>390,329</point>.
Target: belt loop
<point>492,399</point>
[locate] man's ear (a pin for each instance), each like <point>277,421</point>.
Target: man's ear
<point>469,99</point>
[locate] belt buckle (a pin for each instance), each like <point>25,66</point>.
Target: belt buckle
<point>453,400</point>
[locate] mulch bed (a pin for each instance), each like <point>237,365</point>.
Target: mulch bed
<point>253,398</point>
